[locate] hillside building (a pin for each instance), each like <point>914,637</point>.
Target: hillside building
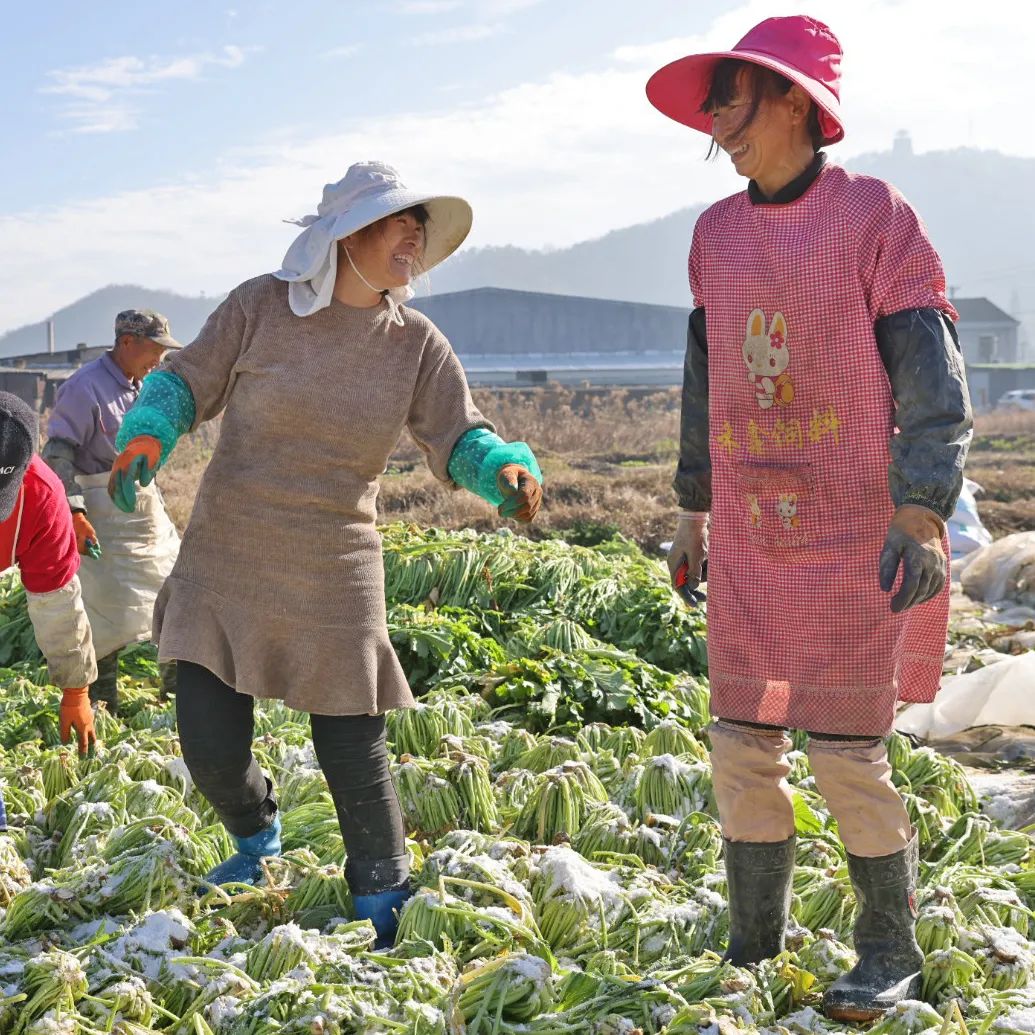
<point>36,377</point>
<point>987,333</point>
<point>63,359</point>
<point>529,337</point>
<point>508,338</point>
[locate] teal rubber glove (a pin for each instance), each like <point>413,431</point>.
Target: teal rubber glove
<point>137,463</point>
<point>478,459</point>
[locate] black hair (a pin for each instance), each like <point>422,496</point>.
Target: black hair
<point>760,83</point>
<point>420,213</point>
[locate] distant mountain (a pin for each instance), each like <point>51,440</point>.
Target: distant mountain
<point>92,318</point>
<point>642,263</point>
<point>977,206</point>
<point>979,211</point>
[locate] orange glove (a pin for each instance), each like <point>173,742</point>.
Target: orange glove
<point>523,495</point>
<point>76,714</point>
<point>85,536</point>
<point>138,462</point>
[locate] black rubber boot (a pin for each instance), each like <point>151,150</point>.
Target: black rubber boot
<point>890,959</point>
<point>105,688</point>
<point>167,679</point>
<point>758,878</point>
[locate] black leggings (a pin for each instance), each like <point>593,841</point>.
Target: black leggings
<point>216,731</point>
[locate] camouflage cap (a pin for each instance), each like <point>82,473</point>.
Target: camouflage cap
<point>147,324</point>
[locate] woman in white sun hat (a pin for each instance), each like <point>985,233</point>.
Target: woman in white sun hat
<point>825,424</point>
<point>278,591</point>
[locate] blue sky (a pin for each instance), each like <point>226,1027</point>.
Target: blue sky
<point>131,94</point>
<point>163,143</point>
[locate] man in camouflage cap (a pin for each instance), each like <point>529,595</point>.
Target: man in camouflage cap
<point>147,325</point>
<point>125,557</point>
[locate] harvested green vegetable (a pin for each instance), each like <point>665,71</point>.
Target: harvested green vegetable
<point>565,849</point>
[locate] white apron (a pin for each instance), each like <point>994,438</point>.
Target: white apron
<point>138,552</point>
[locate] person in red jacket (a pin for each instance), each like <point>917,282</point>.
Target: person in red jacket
<point>37,537</point>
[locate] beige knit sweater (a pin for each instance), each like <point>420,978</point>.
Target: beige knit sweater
<point>279,586</point>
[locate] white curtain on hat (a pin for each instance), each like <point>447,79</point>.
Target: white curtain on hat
<point>311,263</point>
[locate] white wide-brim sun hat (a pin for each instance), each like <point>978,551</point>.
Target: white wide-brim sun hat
<point>368,192</point>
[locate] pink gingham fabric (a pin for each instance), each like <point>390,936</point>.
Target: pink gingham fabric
<point>801,413</point>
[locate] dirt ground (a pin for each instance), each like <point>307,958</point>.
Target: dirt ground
<point>1002,462</point>
<point>608,456</point>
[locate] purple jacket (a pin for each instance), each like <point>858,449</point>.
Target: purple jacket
<point>88,412</point>
<point>87,415</point>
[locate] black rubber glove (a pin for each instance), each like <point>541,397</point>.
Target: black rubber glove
<point>914,543</point>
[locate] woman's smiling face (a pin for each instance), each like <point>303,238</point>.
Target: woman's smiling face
<point>761,143</point>
<point>390,252</point>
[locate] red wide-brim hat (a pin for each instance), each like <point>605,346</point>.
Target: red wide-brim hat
<point>798,47</point>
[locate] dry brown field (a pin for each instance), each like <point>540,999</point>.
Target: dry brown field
<point>608,456</point>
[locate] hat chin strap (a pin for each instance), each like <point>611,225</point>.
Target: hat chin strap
<point>394,313</point>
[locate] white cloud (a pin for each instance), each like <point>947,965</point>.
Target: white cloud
<point>346,51</point>
<point>544,163</point>
<point>102,92</point>
<point>501,8</point>
<point>940,70</point>
<point>428,6</point>
<point>482,8</point>
<point>456,34</point>
<point>101,118</point>
<point>489,17</point>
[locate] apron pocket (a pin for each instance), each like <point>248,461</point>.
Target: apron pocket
<point>779,505</point>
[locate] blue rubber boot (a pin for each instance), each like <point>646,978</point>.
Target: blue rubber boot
<point>382,910</point>
<point>243,866</point>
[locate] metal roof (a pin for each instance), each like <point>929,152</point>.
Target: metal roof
<point>981,310</point>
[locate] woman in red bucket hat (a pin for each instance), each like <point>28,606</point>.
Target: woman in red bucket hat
<point>825,425</point>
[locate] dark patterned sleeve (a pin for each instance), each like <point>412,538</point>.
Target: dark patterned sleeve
<point>693,480</point>
<point>921,353</point>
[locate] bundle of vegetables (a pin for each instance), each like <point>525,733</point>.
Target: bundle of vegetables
<point>608,831</point>
<point>669,786</point>
<point>512,987</point>
<point>557,690</point>
<point>565,851</point>
<point>17,640</point>
<point>824,900</point>
<point>470,919</point>
<point>559,802</point>
<point>434,645</point>
<point>470,778</point>
<point>429,801</point>
<point>614,592</point>
<point>575,901</point>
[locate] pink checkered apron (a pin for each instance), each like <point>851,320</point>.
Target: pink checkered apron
<point>799,632</point>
